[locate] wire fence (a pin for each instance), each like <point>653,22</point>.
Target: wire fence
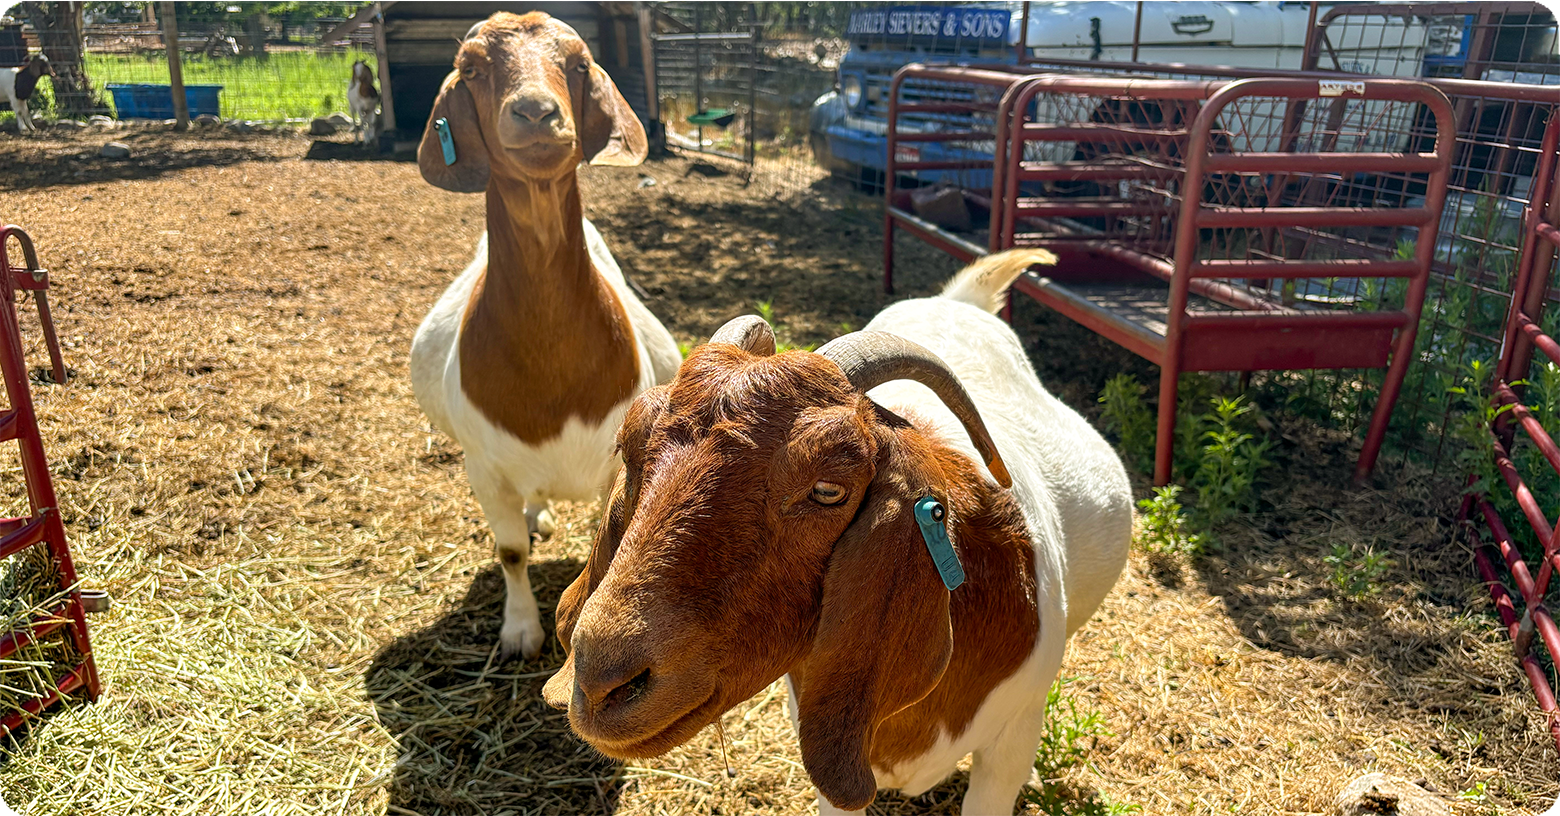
<point>737,81</point>
<point>276,74</point>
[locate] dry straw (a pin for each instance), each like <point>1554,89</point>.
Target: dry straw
<point>305,606</point>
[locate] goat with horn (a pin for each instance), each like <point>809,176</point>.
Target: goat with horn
<point>905,525</point>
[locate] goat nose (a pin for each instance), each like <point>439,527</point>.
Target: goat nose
<point>610,682</point>
<point>533,108</point>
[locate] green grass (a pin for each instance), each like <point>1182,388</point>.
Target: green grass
<point>288,85</point>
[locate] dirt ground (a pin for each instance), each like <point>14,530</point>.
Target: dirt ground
<point>305,603</point>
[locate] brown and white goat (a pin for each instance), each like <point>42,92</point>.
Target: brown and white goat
<point>532,356</point>
<point>763,526</point>
<point>17,85</point>
<point>363,102</point>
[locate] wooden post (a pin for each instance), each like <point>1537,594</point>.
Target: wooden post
<point>386,106</point>
<point>657,135</point>
<point>181,105</point>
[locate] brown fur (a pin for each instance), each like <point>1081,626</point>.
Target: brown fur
<point>714,573</point>
<point>544,337</point>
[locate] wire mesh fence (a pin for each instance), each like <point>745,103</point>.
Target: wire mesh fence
<point>737,82</point>
<point>235,65</point>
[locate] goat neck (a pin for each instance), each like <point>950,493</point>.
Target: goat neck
<point>545,339</point>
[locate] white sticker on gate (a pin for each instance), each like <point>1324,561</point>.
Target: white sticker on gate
<point>1339,87</point>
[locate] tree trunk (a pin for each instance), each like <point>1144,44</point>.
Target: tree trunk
<point>254,37</point>
<point>60,36</point>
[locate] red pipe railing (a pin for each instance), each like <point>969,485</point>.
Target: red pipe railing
<point>44,526</point>
<point>1523,335</point>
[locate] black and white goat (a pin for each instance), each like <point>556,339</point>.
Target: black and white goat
<point>19,83</point>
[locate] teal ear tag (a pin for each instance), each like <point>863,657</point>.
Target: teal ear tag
<point>446,141</point>
<point>932,517</point>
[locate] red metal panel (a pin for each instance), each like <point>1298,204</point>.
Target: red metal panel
<point>1523,334</point>
<point>44,527</point>
<point>1213,345</point>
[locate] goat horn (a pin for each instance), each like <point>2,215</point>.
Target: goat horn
<point>871,358</point>
<point>749,333</point>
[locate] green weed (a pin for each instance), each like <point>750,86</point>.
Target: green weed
<point>1071,733</point>
<point>783,340</point>
<point>1165,524</point>
<point>1129,420</point>
<point>1232,459</point>
<point>1471,428</point>
<point>1357,573</point>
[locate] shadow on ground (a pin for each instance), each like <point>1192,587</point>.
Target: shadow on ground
<point>324,150</point>
<point>53,160</point>
<point>475,736</point>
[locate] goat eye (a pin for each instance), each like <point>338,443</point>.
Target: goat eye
<point>583,67</point>
<point>828,493</point>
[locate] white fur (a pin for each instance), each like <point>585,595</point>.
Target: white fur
<point>512,480</point>
<point>8,87</point>
<point>365,109</point>
<point>1074,493</point>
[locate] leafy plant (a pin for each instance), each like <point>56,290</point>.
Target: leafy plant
<point>1129,419</point>
<point>1357,573</point>
<point>1165,524</point>
<point>1071,732</point>
<point>1226,477</point>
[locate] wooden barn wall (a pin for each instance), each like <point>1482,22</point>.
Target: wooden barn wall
<point>421,39</point>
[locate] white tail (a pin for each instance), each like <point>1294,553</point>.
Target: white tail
<point>985,282</point>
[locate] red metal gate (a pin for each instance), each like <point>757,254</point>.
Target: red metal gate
<point>1515,424</point>
<point>43,526</point>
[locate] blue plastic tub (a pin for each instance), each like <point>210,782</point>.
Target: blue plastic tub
<point>139,100</point>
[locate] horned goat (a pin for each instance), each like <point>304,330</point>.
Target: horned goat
<point>784,515</point>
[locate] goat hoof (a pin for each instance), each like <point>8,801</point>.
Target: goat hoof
<point>524,639</point>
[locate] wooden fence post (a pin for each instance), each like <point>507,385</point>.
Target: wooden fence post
<point>181,105</point>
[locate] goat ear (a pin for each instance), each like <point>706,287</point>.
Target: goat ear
<point>560,687</point>
<point>469,173</point>
<point>610,133</point>
<point>884,634</point>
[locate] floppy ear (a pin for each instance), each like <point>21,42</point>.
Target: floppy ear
<point>884,633</point>
<point>610,133</point>
<point>469,173</point>
<point>560,687</point>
